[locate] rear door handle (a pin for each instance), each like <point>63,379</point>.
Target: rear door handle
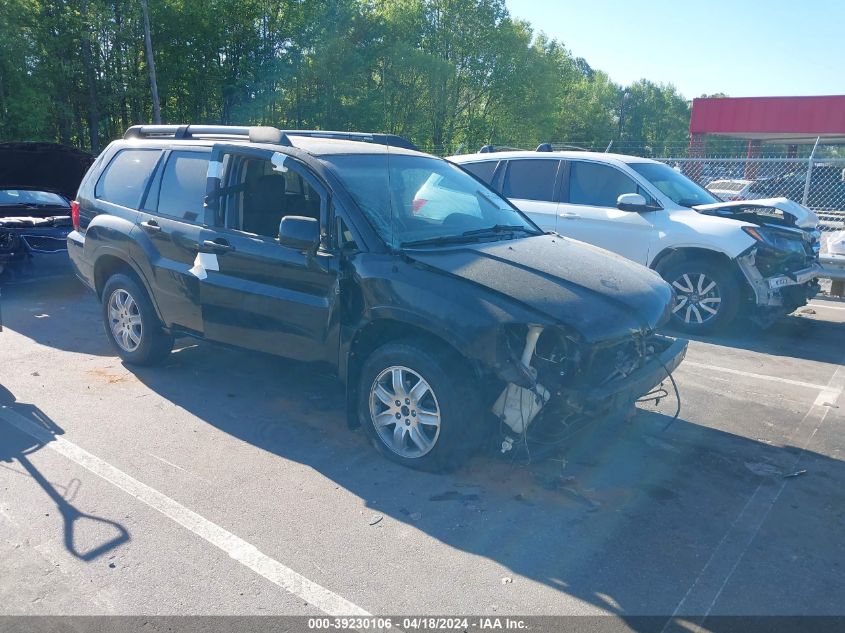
<point>569,216</point>
<point>215,246</point>
<point>150,226</point>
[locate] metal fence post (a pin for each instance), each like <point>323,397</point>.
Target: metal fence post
<point>809,177</point>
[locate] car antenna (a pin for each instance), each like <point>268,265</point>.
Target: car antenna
<point>609,145</point>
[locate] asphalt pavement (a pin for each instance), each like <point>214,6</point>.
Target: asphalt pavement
<point>227,482</point>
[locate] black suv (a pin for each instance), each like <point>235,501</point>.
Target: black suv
<point>446,312</point>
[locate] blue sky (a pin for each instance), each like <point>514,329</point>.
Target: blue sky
<point>743,48</point>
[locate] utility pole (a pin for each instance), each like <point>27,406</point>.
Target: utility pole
<point>148,44</point>
<point>625,96</point>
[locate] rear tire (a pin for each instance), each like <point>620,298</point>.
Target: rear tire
<point>708,295</point>
<point>131,322</point>
<point>437,424</point>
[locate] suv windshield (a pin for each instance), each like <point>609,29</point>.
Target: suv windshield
<point>416,200</point>
<point>674,185</point>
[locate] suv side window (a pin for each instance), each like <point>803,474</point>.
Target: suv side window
<point>182,190</point>
<point>532,179</point>
<point>125,178</point>
<point>266,195</point>
<point>599,185</point>
<point>483,171</point>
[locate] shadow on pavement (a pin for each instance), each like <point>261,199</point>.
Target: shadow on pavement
<point>39,305</point>
<point>625,517</point>
<point>17,446</point>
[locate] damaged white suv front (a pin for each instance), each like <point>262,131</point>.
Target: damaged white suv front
<point>722,258</point>
<point>781,266</point>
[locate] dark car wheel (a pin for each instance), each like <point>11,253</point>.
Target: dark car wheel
<point>707,295</point>
<point>418,407</point>
<point>131,323</point>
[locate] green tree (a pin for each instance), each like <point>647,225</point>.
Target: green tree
<point>446,73</point>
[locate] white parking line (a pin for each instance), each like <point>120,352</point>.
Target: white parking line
<point>830,394</point>
<point>824,305</point>
<point>243,552</point>
<point>748,374</point>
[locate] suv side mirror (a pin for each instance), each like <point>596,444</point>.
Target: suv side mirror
<point>299,232</point>
<point>633,202</point>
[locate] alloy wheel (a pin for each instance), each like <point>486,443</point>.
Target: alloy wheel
<point>125,320</point>
<point>697,300</point>
<point>405,412</point>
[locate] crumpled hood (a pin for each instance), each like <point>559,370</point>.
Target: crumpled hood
<point>600,294</point>
<point>800,216</point>
<point>43,166</point>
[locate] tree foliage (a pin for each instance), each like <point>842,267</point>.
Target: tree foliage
<point>447,73</point>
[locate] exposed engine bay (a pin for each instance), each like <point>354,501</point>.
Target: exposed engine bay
<point>561,385</point>
<point>37,181</point>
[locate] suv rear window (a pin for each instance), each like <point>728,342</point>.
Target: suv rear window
<point>126,176</point>
<point>183,186</point>
<point>531,180</point>
<point>483,171</point>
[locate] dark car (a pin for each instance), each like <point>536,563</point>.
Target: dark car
<point>446,326</point>
<point>37,180</point>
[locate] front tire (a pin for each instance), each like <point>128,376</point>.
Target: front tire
<point>707,293</point>
<point>131,323</point>
<point>419,407</point>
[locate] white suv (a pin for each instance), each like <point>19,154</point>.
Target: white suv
<point>719,256</point>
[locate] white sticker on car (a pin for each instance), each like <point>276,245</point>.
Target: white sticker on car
<point>204,262</point>
<point>278,160</point>
<point>214,169</point>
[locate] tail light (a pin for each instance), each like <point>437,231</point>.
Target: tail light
<point>74,214</point>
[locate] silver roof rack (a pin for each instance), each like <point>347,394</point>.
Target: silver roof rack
<point>259,134</point>
<point>254,133</point>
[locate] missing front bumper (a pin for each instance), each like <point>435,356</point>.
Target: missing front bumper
<point>570,410</point>
<point>795,279</point>
<point>621,393</point>
<point>769,292</point>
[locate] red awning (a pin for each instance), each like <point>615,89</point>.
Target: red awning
<point>792,119</point>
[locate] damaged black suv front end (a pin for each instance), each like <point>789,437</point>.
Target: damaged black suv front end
<point>569,383</point>
<point>23,237</point>
<point>37,181</point>
<point>577,336</point>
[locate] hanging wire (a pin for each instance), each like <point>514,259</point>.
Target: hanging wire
<point>655,395</point>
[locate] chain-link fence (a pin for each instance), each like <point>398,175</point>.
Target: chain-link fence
<point>817,184</point>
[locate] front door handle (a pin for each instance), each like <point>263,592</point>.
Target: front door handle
<point>569,216</point>
<point>150,226</point>
<point>218,246</point>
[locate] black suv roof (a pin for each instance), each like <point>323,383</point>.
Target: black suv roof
<point>316,142</point>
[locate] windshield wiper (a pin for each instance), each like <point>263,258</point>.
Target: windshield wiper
<point>500,228</point>
<point>443,239</point>
<point>471,236</point>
